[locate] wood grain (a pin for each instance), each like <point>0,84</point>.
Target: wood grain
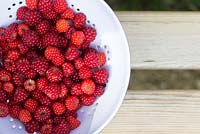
<point>158,112</point>
<point>163,40</point>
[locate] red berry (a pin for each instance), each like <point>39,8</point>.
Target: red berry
<point>23,65</point>
<point>75,77</point>
<point>50,39</point>
<point>68,69</point>
<point>62,25</point>
<point>62,128</point>
<point>11,33</point>
<point>21,12</point>
<point>74,123</point>
<point>25,116</point>
<point>50,15</point>
<point>54,74</point>
<point>22,28</point>
<point>20,95</point>
<point>58,60</point>
<point>68,82</point>
<point>79,63</point>
<point>72,53</point>
<point>31,105</point>
<point>99,91</point>
<point>30,74</point>
<point>63,42</point>
<point>30,38</point>
<point>91,59</point>
<point>3,110</point>
<point>14,44</point>
<point>88,87</point>
<point>42,113</point>
<point>8,87</point>
<point>51,52</point>
<point>102,58</point>
<point>85,72</point>
<point>58,108</point>
<point>32,17</point>
<point>60,5</point>
<point>80,20</point>
<point>68,34</point>
<point>44,100</point>
<point>23,48</point>
<point>37,94</point>
<point>63,91</point>
<point>32,126</point>
<point>10,65</point>
<point>42,83</point>
<point>72,113</point>
<point>46,129</point>
<point>13,55</point>
<point>40,65</point>
<point>14,111</point>
<point>90,34</point>
<point>45,5</point>
<point>77,38</point>
<point>3,96</point>
<point>29,85</point>
<point>18,78</point>
<point>101,76</point>
<point>87,100</point>
<point>5,76</point>
<point>52,91</point>
<point>32,4</point>
<point>43,27</point>
<point>76,89</point>
<point>72,103</point>
<point>68,14</point>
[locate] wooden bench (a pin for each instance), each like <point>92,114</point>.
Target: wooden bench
<point>160,40</point>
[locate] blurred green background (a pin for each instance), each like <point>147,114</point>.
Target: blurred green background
<point>155,5</point>
<point>157,79</point>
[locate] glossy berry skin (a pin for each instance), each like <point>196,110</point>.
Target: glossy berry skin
<point>30,38</point>
<point>76,89</point>
<point>21,12</point>
<point>77,38</point>
<point>31,105</point>
<point>32,126</point>
<point>40,65</point>
<point>85,72</point>
<point>14,110</point>
<point>8,87</point>
<point>46,128</point>
<point>91,59</point>
<point>72,53</point>
<point>62,25</point>
<point>13,55</point>
<point>72,103</point>
<point>68,69</point>
<point>30,85</point>
<point>5,76</point>
<point>3,96</point>
<point>58,108</point>
<point>88,87</point>
<point>74,123</point>
<point>68,14</point>
<point>32,17</point>
<point>54,74</point>
<point>102,58</point>
<point>20,95</point>
<point>101,76</point>
<point>42,83</point>
<point>51,53</point>
<point>43,27</point>
<point>80,20</point>
<point>3,110</point>
<point>32,4</point>
<point>51,39</point>
<point>99,90</point>
<point>52,91</point>
<point>87,100</point>
<point>90,34</point>
<point>60,5</point>
<point>25,116</point>
<point>42,113</point>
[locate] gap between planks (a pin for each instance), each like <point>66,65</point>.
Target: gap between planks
<point>158,112</point>
<point>163,40</point>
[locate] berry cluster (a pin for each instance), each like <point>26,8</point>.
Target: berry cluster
<point>47,69</point>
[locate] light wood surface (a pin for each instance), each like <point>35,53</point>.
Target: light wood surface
<point>158,112</point>
<point>163,40</point>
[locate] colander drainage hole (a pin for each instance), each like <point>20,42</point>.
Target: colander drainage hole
<point>13,4</point>
<point>93,25</point>
<point>9,8</point>
<point>72,5</point>
<point>20,2</point>
<point>88,22</point>
<point>78,9</point>
<point>10,16</point>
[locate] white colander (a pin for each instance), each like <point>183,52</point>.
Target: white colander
<point>110,39</point>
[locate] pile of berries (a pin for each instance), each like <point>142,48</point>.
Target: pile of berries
<point>47,69</point>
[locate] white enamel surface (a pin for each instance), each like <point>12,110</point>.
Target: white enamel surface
<point>112,40</point>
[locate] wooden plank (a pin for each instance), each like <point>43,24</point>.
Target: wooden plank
<point>163,40</point>
<point>158,112</point>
